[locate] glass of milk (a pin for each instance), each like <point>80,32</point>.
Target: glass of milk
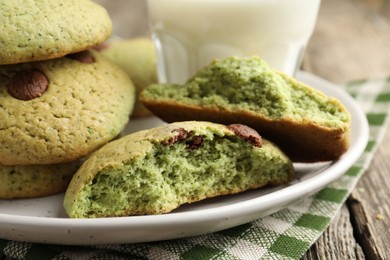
<point>188,34</point>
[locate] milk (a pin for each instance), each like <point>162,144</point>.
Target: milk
<point>188,34</point>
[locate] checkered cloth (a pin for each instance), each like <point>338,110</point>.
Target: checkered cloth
<point>286,234</point>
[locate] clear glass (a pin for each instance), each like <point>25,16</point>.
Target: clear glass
<point>188,34</point>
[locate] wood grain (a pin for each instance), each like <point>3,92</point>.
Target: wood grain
<point>351,40</point>
<point>370,207</point>
<point>338,243</point>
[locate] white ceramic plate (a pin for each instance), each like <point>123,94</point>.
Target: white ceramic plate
<point>44,219</point>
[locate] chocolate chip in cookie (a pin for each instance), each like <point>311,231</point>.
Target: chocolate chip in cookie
<point>28,84</point>
<point>246,133</point>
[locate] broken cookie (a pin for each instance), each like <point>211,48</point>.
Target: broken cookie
<point>305,123</point>
<point>155,171</point>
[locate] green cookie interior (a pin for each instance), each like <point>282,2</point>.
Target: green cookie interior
<point>169,175</point>
<point>249,84</point>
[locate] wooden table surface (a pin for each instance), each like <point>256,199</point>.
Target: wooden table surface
<point>351,41</point>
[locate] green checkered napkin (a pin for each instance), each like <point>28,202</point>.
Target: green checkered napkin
<point>286,234</point>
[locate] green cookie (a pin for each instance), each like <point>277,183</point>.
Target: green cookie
<point>41,29</point>
<point>30,181</point>
<point>62,109</point>
<point>305,123</point>
<point>138,58</point>
<point>155,171</point>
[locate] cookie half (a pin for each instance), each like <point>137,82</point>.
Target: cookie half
<point>40,29</point>
<point>155,171</point>
<point>305,123</point>
<point>62,109</point>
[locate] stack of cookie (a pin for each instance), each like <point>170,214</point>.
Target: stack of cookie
<point>59,100</point>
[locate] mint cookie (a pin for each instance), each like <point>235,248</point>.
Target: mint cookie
<point>59,110</point>
<point>30,181</point>
<point>305,123</point>
<point>40,29</point>
<point>155,171</point>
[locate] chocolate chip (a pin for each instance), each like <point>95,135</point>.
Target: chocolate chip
<point>182,134</point>
<point>83,56</point>
<point>246,133</point>
<point>195,142</point>
<point>28,84</point>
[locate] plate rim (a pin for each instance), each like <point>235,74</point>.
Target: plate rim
<point>249,207</point>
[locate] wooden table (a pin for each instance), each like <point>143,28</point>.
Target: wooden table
<point>351,41</point>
